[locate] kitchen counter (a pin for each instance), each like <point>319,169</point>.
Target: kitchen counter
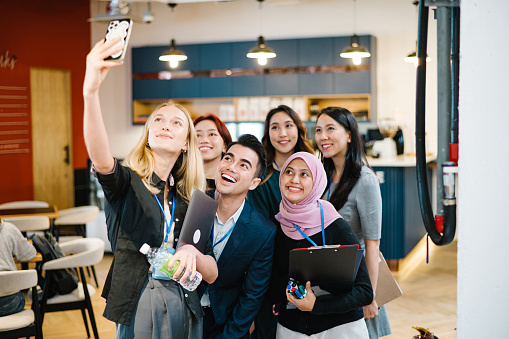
<point>402,225</point>
<point>399,161</point>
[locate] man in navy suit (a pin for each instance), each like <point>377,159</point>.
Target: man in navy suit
<point>243,244</point>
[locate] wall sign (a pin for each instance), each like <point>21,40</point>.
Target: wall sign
<point>7,61</point>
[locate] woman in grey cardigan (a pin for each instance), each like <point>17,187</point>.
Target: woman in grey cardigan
<point>354,190</point>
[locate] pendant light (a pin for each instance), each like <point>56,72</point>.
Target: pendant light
<point>261,51</point>
<point>173,55</point>
<point>355,51</point>
<point>412,57</point>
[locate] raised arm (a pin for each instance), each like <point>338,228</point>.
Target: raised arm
<point>96,139</point>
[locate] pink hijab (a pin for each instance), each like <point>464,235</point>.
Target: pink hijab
<point>306,214</point>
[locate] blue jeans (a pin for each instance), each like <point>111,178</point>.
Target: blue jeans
<point>11,304</point>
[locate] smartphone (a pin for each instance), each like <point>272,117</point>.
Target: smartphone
<point>119,29</point>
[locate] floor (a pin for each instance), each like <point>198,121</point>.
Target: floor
<point>428,300</point>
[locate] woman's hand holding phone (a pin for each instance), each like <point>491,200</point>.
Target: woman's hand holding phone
<point>97,66</point>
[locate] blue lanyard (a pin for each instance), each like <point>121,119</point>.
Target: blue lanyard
<point>330,184</point>
<point>277,166</point>
<point>323,229</point>
<point>168,226</point>
<point>224,237</point>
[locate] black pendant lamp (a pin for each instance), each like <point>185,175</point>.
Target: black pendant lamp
<point>173,55</point>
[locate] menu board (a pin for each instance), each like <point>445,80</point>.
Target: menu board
<point>14,120</point>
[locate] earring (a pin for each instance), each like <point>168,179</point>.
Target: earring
<point>148,146</point>
<point>184,151</point>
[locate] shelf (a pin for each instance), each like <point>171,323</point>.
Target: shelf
<point>253,109</point>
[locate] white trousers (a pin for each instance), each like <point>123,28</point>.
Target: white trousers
<point>353,330</point>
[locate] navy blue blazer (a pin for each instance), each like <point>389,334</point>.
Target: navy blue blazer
<point>244,266</point>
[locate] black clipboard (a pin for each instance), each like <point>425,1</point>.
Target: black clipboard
<point>331,267</point>
<point>198,222</point>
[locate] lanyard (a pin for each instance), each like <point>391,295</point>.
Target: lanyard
<point>224,237</point>
<point>323,231</point>
<point>168,226</point>
<point>275,160</point>
<point>330,184</point>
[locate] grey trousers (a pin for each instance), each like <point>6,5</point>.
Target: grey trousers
<point>161,312</point>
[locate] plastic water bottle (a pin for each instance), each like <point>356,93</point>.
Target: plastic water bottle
<point>159,257</point>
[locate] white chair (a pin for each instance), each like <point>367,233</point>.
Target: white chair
<point>28,322</point>
<point>30,224</point>
<point>77,217</point>
<point>23,204</point>
<point>85,252</point>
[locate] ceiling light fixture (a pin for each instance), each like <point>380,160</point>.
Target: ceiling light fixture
<point>355,51</point>
<point>116,10</point>
<point>412,57</point>
<point>173,55</point>
<point>261,51</point>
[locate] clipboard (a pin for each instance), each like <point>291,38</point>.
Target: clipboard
<point>198,221</point>
<point>387,288</point>
<point>331,267</point>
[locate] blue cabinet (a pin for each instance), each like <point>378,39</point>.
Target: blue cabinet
<point>184,88</point>
<point>402,225</point>
<point>316,52</point>
<point>270,80</point>
<point>216,87</point>
<point>248,86</point>
<point>215,56</point>
<point>150,89</point>
<point>316,84</point>
<point>352,83</point>
<point>286,84</point>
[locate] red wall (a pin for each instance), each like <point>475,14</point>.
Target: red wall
<point>49,34</point>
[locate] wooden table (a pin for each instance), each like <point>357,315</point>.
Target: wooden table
<point>50,212</point>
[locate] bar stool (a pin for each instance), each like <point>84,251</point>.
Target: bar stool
<point>77,217</point>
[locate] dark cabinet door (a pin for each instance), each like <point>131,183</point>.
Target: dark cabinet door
<point>216,87</point>
<point>316,52</point>
<point>184,88</point>
<point>316,83</point>
<point>150,89</point>
<point>352,82</point>
<point>248,86</point>
<point>215,56</point>
<point>287,84</point>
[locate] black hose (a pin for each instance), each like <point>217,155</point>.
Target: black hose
<point>420,140</point>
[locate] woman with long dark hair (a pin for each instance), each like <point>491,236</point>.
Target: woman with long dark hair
<point>354,190</point>
<point>284,134</point>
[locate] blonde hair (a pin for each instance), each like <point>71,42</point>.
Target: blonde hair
<point>187,171</point>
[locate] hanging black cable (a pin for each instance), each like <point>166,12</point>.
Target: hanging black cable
<point>420,132</point>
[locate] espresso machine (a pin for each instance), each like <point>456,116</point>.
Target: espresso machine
<point>386,147</point>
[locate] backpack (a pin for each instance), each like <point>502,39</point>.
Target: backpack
<point>64,280</point>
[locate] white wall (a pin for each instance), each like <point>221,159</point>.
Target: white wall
<point>483,275</point>
<point>392,22</point>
